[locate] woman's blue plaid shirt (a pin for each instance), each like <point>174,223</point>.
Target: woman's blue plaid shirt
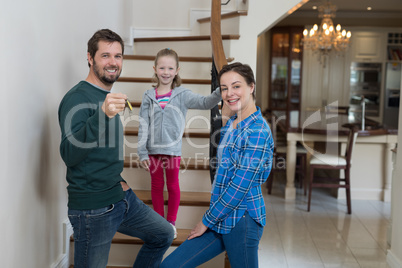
<point>245,165</point>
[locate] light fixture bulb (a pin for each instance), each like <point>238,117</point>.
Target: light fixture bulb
<point>343,32</point>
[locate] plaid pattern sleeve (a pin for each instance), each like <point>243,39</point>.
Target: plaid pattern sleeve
<point>245,165</point>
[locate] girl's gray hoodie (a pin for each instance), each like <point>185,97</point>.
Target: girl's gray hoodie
<point>161,130</point>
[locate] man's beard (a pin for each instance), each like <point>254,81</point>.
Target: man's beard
<point>106,80</point>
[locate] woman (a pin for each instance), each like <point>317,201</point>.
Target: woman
<point>235,219</point>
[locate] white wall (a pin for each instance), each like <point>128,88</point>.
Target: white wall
<point>43,45</point>
<point>169,14</point>
<point>178,18</point>
<point>394,256</point>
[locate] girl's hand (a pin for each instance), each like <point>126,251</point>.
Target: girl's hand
<point>145,164</point>
<point>197,231</point>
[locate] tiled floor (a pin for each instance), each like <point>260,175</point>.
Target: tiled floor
<point>326,236</point>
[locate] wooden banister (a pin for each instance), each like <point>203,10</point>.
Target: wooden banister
<point>218,53</point>
<point>216,36</point>
<point>229,15</point>
<point>218,119</point>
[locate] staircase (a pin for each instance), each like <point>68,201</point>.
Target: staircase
<point>195,70</point>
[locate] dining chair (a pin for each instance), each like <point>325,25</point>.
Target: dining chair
<point>279,158</point>
<point>333,162</point>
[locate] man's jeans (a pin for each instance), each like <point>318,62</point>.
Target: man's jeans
<point>94,231</point>
<point>241,245</point>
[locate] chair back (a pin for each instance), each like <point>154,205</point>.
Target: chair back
<point>350,145</point>
<point>273,128</point>
<point>337,109</point>
<point>281,139</point>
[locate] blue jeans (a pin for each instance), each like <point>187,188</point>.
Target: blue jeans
<point>94,231</point>
<point>241,245</point>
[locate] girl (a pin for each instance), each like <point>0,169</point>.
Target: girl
<point>235,219</point>
<point>162,121</point>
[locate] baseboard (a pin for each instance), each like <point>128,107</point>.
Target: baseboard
<point>63,261</point>
<point>362,194</point>
<point>158,32</point>
<point>393,261</point>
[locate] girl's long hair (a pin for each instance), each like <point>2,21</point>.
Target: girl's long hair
<point>167,52</point>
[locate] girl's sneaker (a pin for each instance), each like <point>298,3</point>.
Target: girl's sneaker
<point>175,231</point>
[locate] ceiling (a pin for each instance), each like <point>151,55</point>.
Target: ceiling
<point>384,13</point>
<point>359,5</point>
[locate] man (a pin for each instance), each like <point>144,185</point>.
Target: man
<point>100,202</point>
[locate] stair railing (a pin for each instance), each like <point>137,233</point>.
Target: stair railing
<point>217,119</point>
<point>216,36</point>
<point>218,61</point>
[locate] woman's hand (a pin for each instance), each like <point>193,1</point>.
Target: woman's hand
<point>197,231</point>
<point>145,164</point>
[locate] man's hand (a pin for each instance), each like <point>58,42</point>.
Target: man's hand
<point>114,103</point>
<point>145,164</point>
<point>124,185</point>
<point>197,231</point>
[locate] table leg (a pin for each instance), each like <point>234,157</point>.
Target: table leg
<point>290,191</point>
<point>388,171</point>
<point>393,200</point>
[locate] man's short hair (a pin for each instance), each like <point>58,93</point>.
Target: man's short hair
<point>103,35</point>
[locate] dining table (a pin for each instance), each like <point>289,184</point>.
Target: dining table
<point>309,127</point>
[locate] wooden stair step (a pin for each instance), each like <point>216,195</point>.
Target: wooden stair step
<point>185,164</point>
<point>188,133</point>
<point>228,15</point>
<point>72,266</point>
<point>198,199</point>
<point>149,80</point>
<point>137,104</point>
<point>185,38</point>
<point>183,58</point>
<point>120,238</point>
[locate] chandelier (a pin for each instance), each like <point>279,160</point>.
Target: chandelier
<point>324,39</point>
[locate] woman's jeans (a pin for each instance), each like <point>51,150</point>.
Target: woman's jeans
<point>241,245</point>
<point>94,231</point>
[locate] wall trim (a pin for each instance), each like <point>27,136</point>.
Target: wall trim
<point>362,194</point>
<point>157,32</point>
<point>192,28</point>
<point>63,261</point>
<point>392,260</point>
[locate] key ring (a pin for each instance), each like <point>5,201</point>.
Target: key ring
<point>128,105</point>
